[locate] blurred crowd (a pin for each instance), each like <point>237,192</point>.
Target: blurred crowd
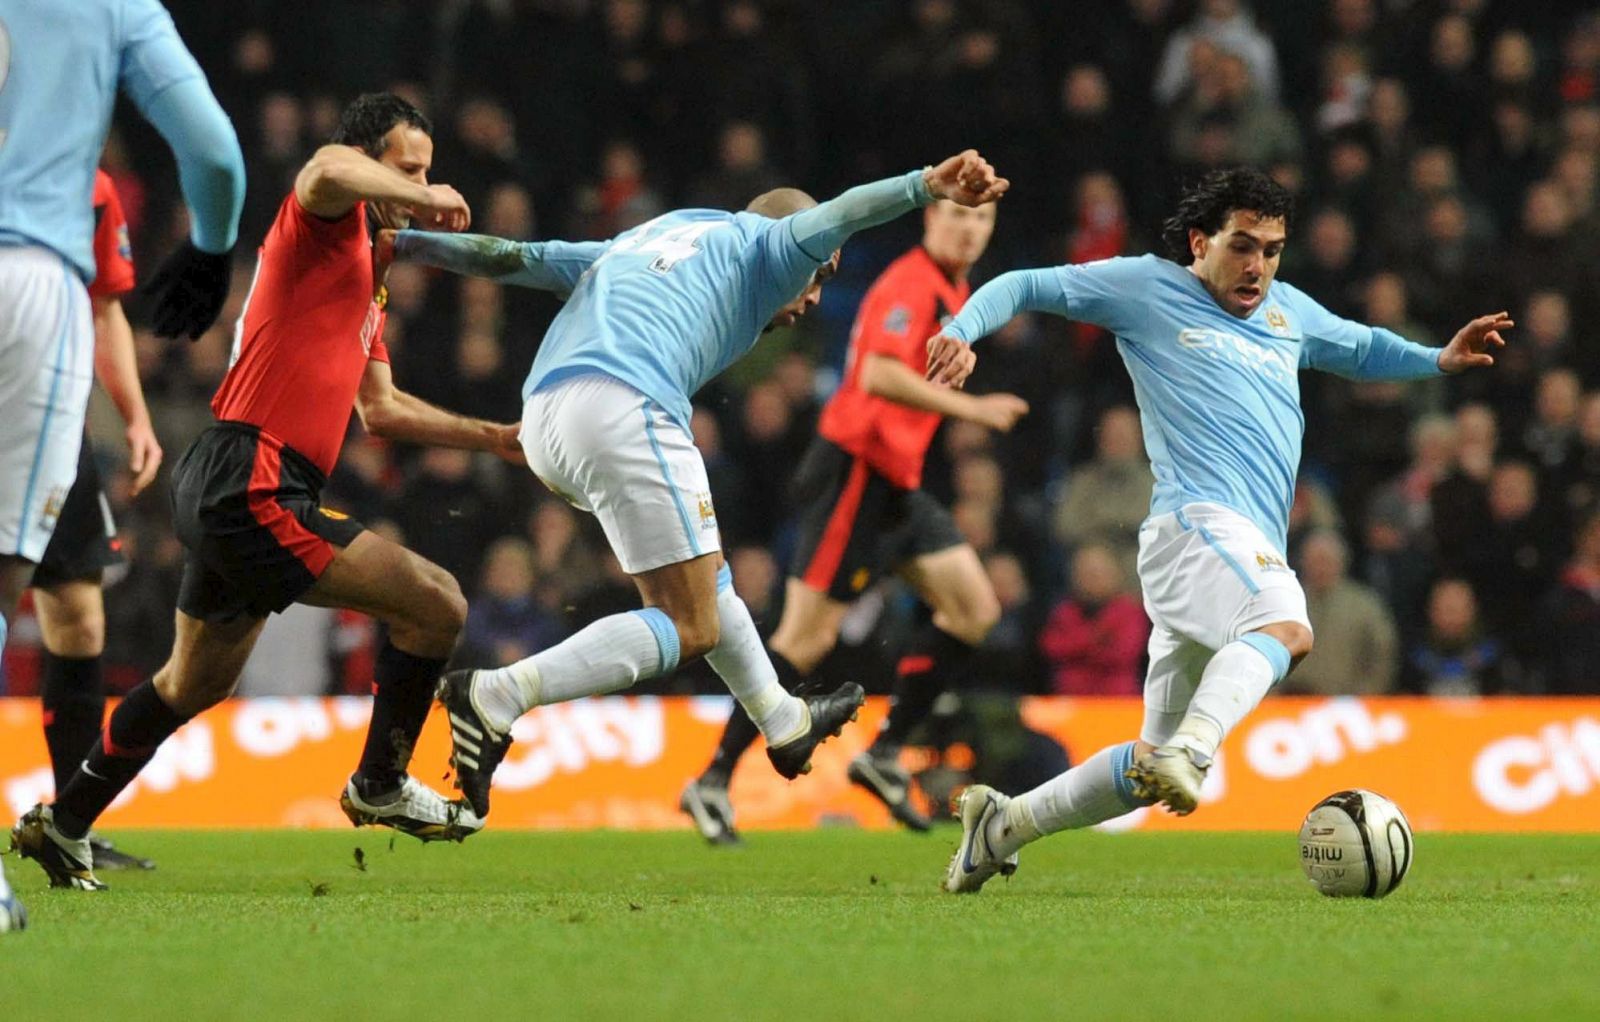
<point>1446,155</point>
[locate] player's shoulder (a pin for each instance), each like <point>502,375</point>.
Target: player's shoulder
<point>1147,265</point>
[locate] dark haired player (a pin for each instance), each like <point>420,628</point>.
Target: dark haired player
<point>66,583</point>
<point>865,514</point>
<point>246,503</point>
<point>1214,345</point>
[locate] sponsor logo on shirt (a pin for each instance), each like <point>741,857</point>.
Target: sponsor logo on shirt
<point>338,516</point>
<point>1231,347</point>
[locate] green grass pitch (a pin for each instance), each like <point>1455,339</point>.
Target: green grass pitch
<point>814,926</point>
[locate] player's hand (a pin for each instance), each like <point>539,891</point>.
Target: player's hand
<point>507,439</point>
<point>999,411</point>
<point>966,178</point>
<point>144,455</point>
<point>1471,345</point>
<point>189,289</point>
<point>950,361</point>
<point>444,210</point>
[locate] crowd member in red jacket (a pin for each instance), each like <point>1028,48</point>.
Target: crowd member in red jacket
<point>1095,638</point>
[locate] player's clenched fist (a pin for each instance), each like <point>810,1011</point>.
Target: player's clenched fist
<point>444,210</point>
<point>966,178</point>
<point>1000,411</point>
<point>950,361</point>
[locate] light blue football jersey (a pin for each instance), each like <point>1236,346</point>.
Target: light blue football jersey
<point>670,304</point>
<point>1219,396</point>
<point>61,64</point>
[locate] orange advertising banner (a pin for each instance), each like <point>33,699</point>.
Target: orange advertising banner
<point>1467,765</point>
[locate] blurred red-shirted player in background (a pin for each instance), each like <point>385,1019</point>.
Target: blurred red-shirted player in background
<point>67,580</point>
<point>246,494</point>
<point>863,514</point>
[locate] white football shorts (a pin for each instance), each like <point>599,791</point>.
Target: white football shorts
<point>607,449</point>
<point>46,368</point>
<point>1209,575</point>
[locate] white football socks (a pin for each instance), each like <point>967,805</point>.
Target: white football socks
<point>1234,683</point>
<point>607,656</point>
<point>741,661</point>
<point>1092,792</point>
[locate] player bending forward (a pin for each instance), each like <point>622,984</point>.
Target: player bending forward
<point>246,494</point>
<point>1214,346</point>
<point>654,314</point>
<point>864,513</point>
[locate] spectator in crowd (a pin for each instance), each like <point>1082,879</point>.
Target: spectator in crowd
<point>1108,498</point>
<point>562,559</point>
<point>1009,660</point>
<point>1579,487</point>
<point>1357,651</point>
<point>1456,657</point>
<point>1516,556</point>
<point>621,199</point>
<point>1221,26</point>
<point>1571,617</point>
<point>505,620</point>
<point>1093,641</point>
<point>742,170</point>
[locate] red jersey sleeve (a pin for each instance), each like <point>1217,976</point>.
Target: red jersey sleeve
<point>892,321</point>
<point>113,255</point>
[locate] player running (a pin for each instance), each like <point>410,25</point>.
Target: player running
<point>245,498</point>
<point>67,581</point>
<point>653,315</point>
<point>60,68</point>
<point>1214,345</point>
<point>863,513</point>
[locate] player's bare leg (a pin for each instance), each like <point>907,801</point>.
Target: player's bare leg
<point>203,669</point>
<point>1235,681</point>
<point>72,622</point>
<point>806,634</point>
<point>15,572</point>
<point>423,609</point>
<point>954,584</point>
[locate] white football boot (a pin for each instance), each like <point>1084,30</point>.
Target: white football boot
<point>12,915</point>
<point>415,809</point>
<point>975,862</point>
<point>1171,775</point>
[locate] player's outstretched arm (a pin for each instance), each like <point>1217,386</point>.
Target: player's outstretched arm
<point>546,265</point>
<point>966,178</point>
<point>395,415</point>
<point>950,358</point>
<point>117,369</point>
<point>1363,352</point>
<point>889,378</point>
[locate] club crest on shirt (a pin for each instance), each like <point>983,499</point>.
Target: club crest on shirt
<point>708,514</point>
<point>1268,561</point>
<point>124,246</point>
<point>1277,322</point>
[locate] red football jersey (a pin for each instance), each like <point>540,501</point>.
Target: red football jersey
<point>113,256</point>
<point>312,321</point>
<point>905,306</point>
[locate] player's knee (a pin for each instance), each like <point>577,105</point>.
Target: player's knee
<point>1296,638</point>
<point>191,693</point>
<point>77,635</point>
<point>698,631</point>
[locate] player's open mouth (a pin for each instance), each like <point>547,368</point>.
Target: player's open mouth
<point>1248,294</point>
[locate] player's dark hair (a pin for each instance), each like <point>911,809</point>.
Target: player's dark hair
<point>371,116</point>
<point>1206,204</point>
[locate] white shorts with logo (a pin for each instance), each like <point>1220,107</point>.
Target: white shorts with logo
<point>46,367</point>
<point>1209,575</point>
<point>607,449</point>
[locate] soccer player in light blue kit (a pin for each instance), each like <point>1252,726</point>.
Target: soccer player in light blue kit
<point>60,67</point>
<point>654,314</point>
<point>1214,346</point>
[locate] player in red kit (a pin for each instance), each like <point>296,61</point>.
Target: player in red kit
<point>863,514</point>
<point>246,494</point>
<point>67,580</point>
